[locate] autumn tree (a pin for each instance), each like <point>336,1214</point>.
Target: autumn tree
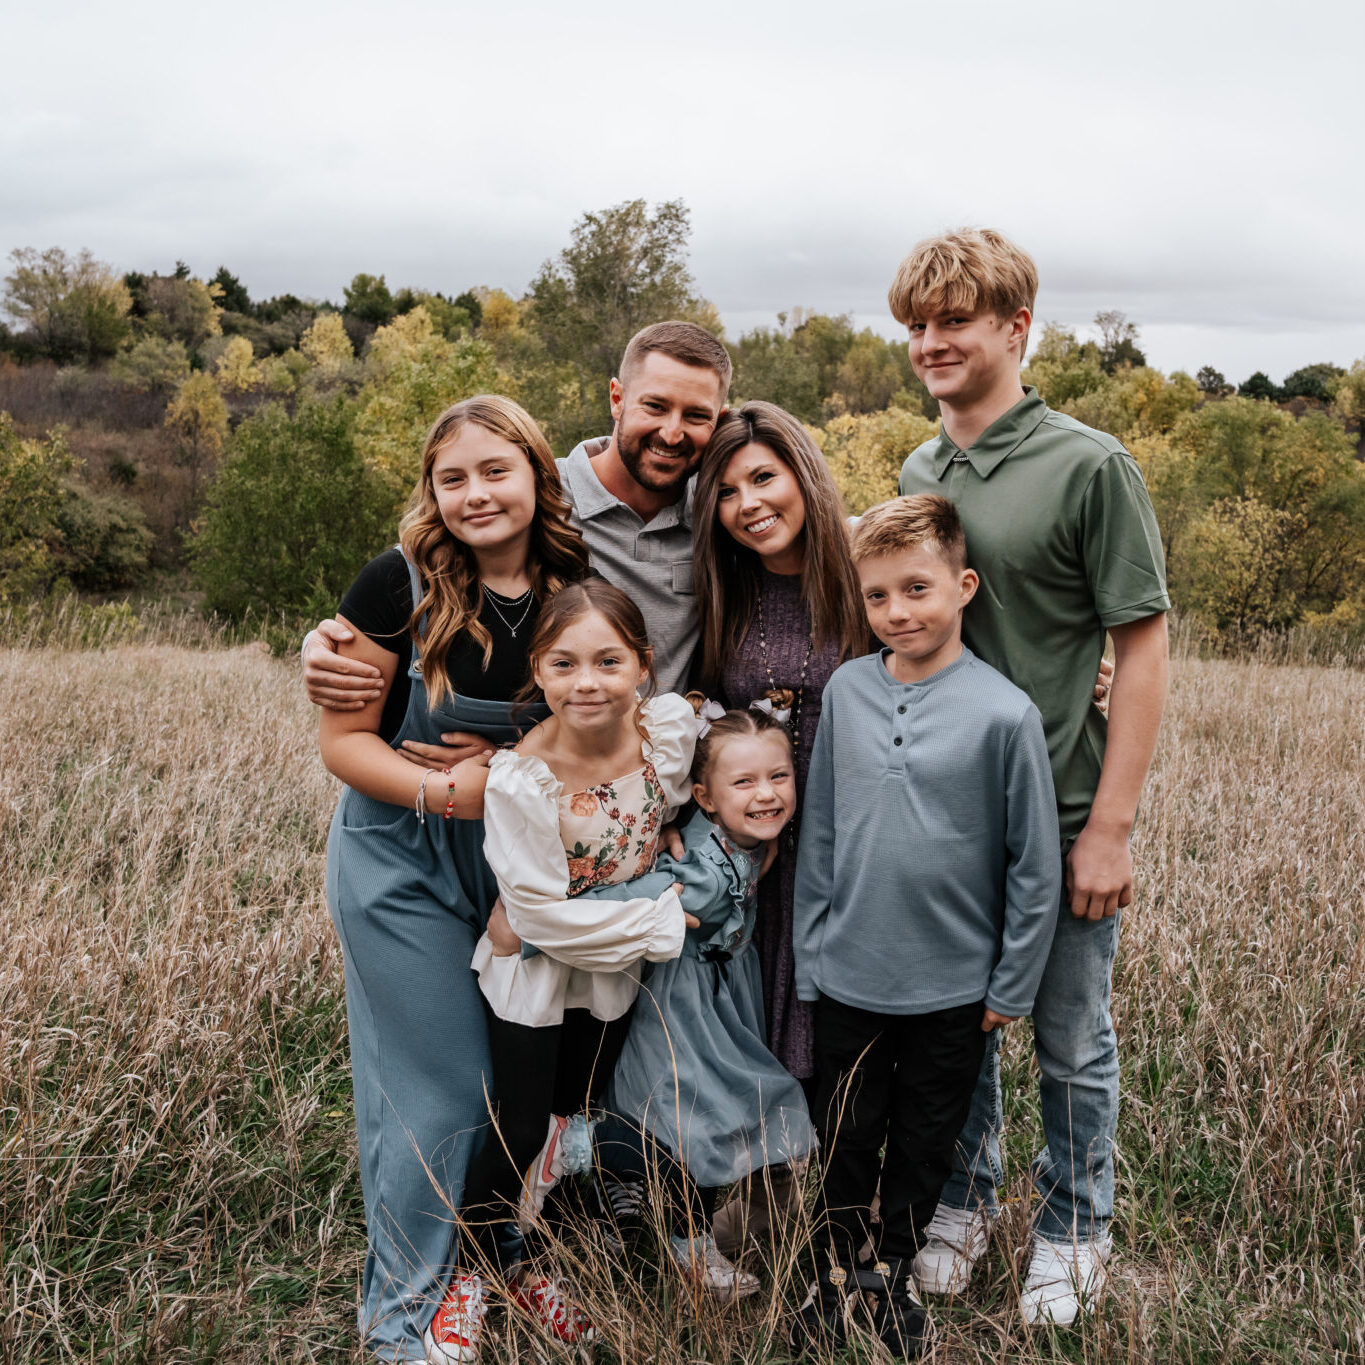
<point>1312,381</point>
<point>236,370</point>
<point>177,306</point>
<point>197,417</point>
<point>1118,341</point>
<point>368,298</point>
<point>1212,383</point>
<point>153,364</point>
<point>1348,402</point>
<point>411,375</point>
<point>865,453</point>
<point>292,513</point>
<point>327,348</point>
<point>624,268</point>
<point>1063,368</point>
<point>71,307</point>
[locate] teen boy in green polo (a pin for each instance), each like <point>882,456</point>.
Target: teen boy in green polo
<point>1061,530</point>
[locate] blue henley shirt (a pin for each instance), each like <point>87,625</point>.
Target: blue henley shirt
<point>929,872</point>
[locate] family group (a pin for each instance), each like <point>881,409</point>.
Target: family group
<point>694,833</point>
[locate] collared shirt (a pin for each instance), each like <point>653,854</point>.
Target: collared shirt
<point>1062,532</point>
<point>650,560</point>
<point>927,874</point>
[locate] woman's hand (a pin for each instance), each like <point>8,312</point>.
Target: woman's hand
<point>990,1021</point>
<point>1104,684</point>
<point>505,942</point>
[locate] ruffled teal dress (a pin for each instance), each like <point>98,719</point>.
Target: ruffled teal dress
<point>695,1071</point>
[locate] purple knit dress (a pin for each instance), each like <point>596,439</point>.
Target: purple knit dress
<point>787,632</point>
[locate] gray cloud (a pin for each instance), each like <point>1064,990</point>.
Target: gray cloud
<point>1190,164</point>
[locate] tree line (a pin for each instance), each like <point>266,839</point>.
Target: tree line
<point>265,446</point>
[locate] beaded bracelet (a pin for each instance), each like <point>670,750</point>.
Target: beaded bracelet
<point>450,797</point>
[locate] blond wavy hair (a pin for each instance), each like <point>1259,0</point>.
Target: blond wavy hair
<point>452,594</point>
<point>960,272</point>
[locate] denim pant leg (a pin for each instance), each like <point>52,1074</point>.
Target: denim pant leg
<point>419,1068</point>
<point>977,1172</point>
<point>1079,1082</point>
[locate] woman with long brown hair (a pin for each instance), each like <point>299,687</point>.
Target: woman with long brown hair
<point>780,610</point>
<point>484,543</point>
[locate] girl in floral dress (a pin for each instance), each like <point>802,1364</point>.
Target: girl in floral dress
<point>578,803</point>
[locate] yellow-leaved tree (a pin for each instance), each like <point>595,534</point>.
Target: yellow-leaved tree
<point>236,370</point>
<point>327,348</point>
<point>198,418</point>
<point>865,452</point>
<point>412,374</point>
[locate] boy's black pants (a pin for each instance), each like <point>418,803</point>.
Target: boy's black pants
<point>900,1080</point>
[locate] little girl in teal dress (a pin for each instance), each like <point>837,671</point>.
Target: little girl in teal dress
<point>695,1073</point>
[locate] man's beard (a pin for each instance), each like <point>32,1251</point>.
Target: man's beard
<point>633,457</point>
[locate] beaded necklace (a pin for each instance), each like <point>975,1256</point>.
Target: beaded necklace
<point>774,692</point>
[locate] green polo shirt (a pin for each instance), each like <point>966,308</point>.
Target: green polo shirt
<point>1061,530</point>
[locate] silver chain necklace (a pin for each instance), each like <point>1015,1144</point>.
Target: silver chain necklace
<point>493,599</point>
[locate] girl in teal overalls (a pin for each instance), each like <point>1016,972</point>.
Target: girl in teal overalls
<point>486,539</point>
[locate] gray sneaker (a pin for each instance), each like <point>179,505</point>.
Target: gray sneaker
<point>700,1260</point>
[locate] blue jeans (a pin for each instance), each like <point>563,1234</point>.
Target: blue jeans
<point>1073,1035</point>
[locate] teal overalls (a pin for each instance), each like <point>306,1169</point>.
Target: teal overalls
<point>409,901</point>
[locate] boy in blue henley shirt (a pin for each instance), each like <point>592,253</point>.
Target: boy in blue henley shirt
<point>927,894</point>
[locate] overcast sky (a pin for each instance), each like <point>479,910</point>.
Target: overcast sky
<point>1197,165</point>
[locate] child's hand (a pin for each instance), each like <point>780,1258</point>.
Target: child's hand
<point>691,921</point>
<point>990,1021</point>
<point>505,942</point>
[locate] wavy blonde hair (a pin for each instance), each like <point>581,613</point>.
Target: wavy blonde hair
<point>452,594</point>
<point>727,573</point>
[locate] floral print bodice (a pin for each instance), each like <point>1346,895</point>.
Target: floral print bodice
<point>611,832</point>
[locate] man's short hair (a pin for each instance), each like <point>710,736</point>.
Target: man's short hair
<point>963,271</point>
<point>682,341</point>
<point>907,523</point>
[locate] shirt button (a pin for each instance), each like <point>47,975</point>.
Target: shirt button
<point>901,709</point>
<point>897,740</point>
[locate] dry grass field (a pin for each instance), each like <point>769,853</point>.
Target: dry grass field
<point>177,1173</point>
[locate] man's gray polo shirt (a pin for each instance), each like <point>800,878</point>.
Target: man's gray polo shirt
<point>650,560</point>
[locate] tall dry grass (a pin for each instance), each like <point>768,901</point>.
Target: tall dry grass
<point>177,1171</point>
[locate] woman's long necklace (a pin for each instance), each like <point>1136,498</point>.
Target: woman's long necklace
<point>512,603</point>
<point>796,701</point>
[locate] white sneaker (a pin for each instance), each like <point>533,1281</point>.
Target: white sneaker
<point>955,1240</point>
<point>1064,1280</point>
<point>701,1260</point>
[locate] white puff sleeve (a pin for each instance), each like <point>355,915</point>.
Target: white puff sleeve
<point>576,936</point>
<point>671,725</point>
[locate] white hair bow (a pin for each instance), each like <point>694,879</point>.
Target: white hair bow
<point>781,714</point>
<point>707,712</point>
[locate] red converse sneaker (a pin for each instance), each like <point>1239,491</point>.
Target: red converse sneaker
<point>453,1337</point>
<point>539,1298</point>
